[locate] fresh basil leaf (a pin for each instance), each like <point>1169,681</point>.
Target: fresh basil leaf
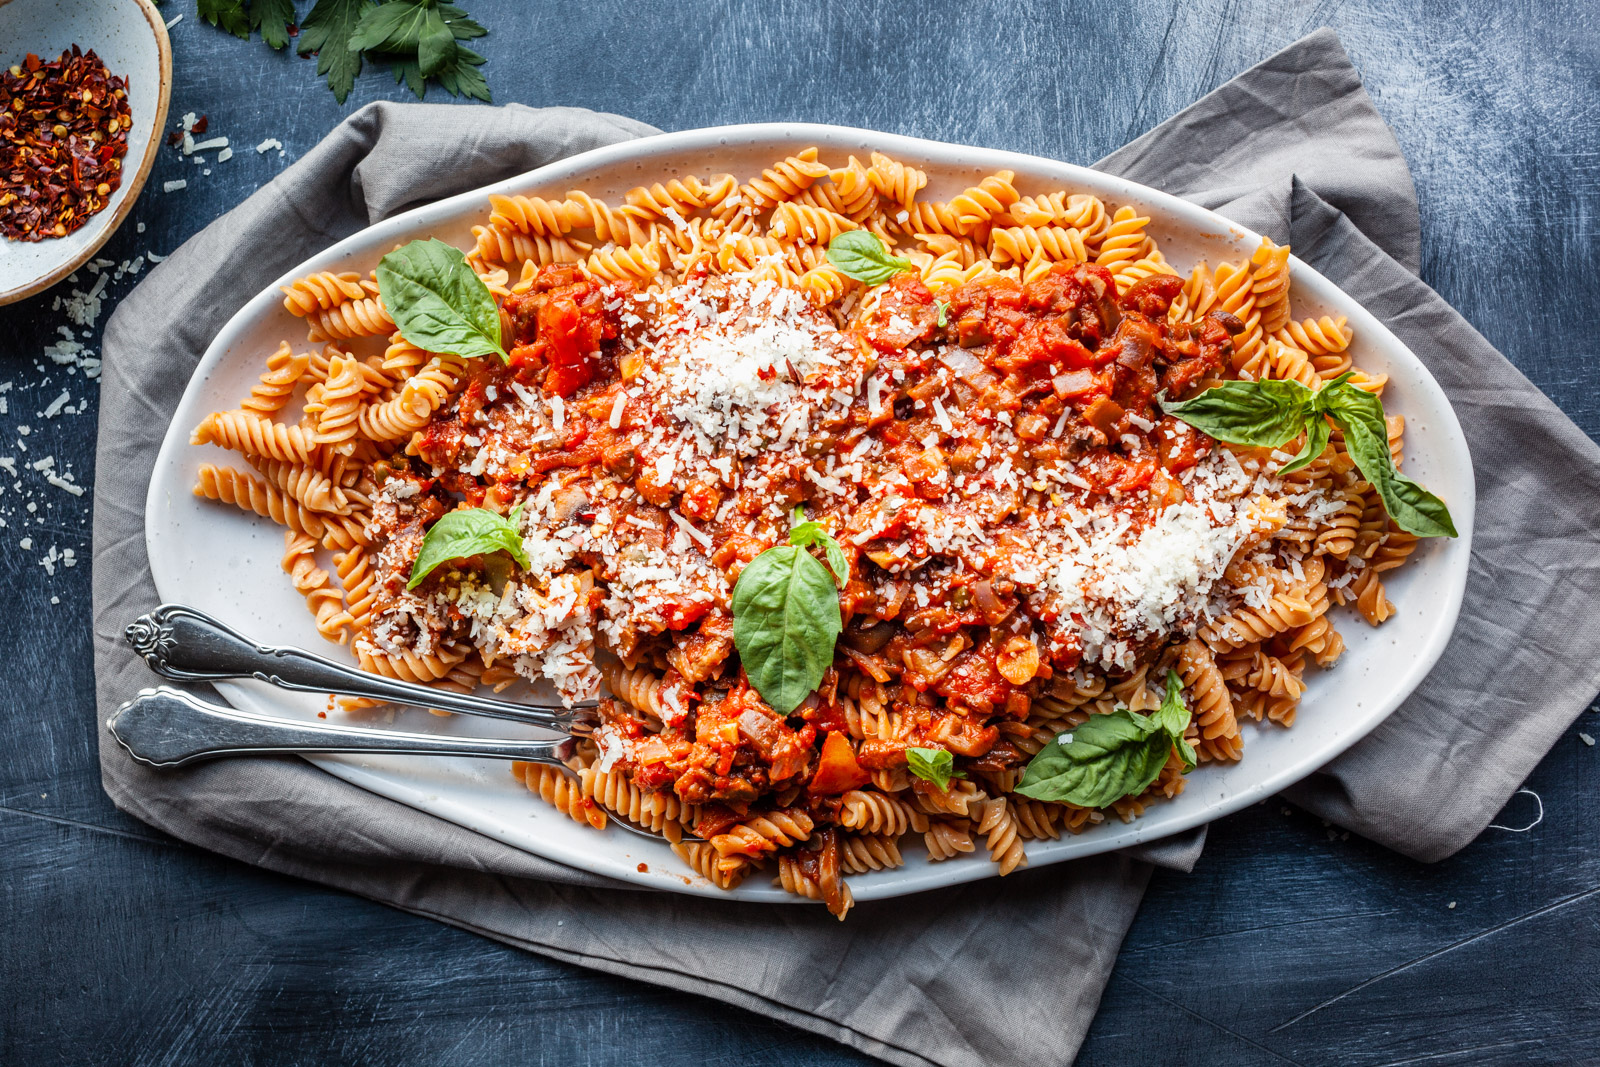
<point>1186,754</point>
<point>944,312</point>
<point>862,256</point>
<point>814,533</point>
<point>1262,414</point>
<point>1366,436</point>
<point>1317,434</point>
<point>1108,757</point>
<point>271,19</point>
<point>786,621</point>
<point>1173,718</point>
<point>934,765</point>
<point>226,15</point>
<point>326,32</point>
<point>438,302</point>
<point>468,532</point>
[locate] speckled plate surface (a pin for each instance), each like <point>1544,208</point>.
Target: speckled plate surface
<point>226,563</point>
<point>130,37</point>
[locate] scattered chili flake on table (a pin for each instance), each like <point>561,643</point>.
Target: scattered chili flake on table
<point>63,135</point>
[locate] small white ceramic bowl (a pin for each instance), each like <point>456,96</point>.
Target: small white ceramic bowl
<point>130,37</point>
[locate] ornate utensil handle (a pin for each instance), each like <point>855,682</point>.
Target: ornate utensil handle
<point>188,645</point>
<point>166,727</point>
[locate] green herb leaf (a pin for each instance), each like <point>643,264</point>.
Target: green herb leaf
<point>1317,434</point>
<point>271,19</point>
<point>1262,414</point>
<point>786,621</point>
<point>1107,758</point>
<point>461,27</point>
<point>396,26</point>
<point>1271,413</point>
<point>1173,718</point>
<point>438,44</point>
<point>944,312</point>
<point>1366,435</point>
<point>406,70</point>
<point>228,15</point>
<point>326,31</point>
<point>862,256</point>
<point>461,77</point>
<point>419,39</point>
<point>806,534</point>
<point>438,302</point>
<point>468,532</point>
<point>934,765</point>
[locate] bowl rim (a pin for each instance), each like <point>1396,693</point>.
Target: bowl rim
<point>158,28</point>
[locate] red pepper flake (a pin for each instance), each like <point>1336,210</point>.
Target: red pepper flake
<point>201,123</point>
<point>63,135</point>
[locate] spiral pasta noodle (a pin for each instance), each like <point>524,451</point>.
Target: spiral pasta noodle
<point>311,582</point>
<point>270,395</point>
<point>874,813</point>
<point>724,872</point>
<point>358,580</point>
<point>366,317</point>
<point>407,665</point>
<point>321,291</point>
<point>620,264</point>
<point>1000,833</point>
<point>764,833</point>
<point>230,486</point>
<point>782,181</point>
<point>1018,244</point>
<point>339,418</point>
<point>895,181</point>
<point>306,485</point>
<point>243,431</point>
<point>561,791</point>
<point>982,202</point>
<point>1213,707</point>
<point>947,840</point>
<point>1270,285</point>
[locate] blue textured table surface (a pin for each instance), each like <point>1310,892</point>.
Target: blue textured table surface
<point>1290,943</point>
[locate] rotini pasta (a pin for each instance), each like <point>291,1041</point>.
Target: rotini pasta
<point>989,474</point>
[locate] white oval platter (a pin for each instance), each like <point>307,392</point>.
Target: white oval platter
<point>227,563</point>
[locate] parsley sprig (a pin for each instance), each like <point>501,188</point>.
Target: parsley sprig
<point>419,39</point>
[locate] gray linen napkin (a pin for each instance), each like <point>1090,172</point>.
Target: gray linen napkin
<point>1305,158</point>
